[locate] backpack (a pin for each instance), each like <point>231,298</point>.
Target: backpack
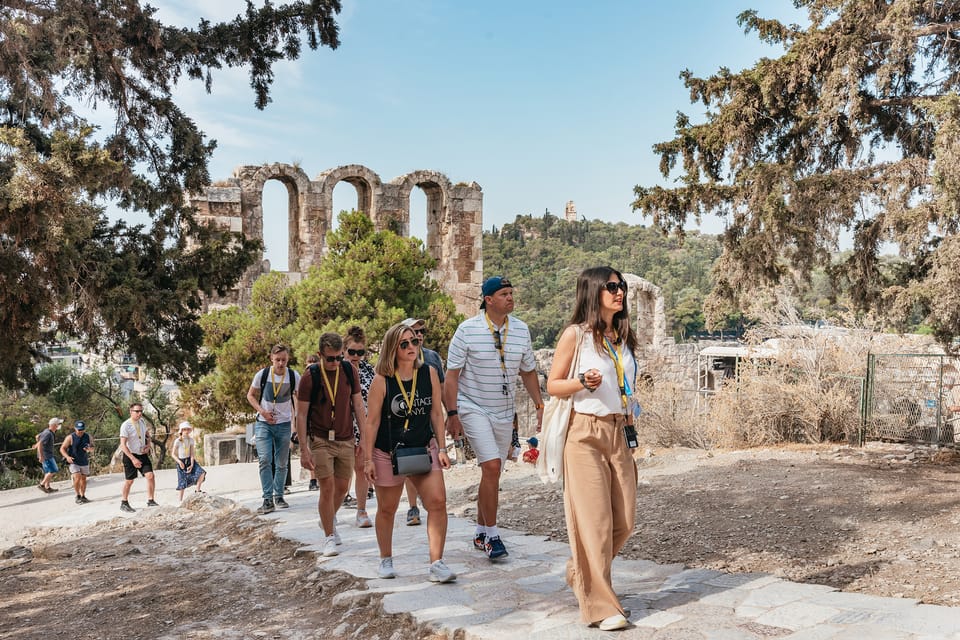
<point>263,382</point>
<point>314,370</point>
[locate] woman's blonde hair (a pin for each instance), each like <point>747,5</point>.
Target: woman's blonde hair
<point>387,364</point>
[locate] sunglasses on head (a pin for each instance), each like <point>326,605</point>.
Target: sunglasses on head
<point>406,343</point>
<point>356,352</point>
<point>612,287</point>
<point>333,358</point>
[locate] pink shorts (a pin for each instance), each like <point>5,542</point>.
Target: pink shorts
<point>384,467</point>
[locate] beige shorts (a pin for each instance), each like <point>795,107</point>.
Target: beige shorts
<point>333,458</point>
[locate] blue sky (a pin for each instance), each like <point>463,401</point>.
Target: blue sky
<point>538,102</point>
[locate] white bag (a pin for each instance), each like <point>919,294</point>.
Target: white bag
<point>556,419</point>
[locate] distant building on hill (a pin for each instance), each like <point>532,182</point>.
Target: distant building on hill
<point>570,214</point>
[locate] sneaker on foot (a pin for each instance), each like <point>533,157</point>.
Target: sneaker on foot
<point>613,623</point>
<point>266,507</point>
<point>386,568</point>
<point>51,489</point>
<point>84,500</point>
<point>330,547</point>
<point>314,486</point>
<point>79,501</point>
<point>480,542</point>
<point>152,503</point>
<point>349,501</point>
<point>413,516</point>
<point>281,503</point>
<point>125,506</point>
<point>494,548</point>
<point>363,520</point>
<point>336,535</point>
<point>439,572</point>
<point>43,488</point>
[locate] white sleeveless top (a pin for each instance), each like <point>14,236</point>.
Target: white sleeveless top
<point>605,400</point>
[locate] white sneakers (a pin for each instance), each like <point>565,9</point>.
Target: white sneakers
<point>386,568</point>
<point>439,572</point>
<point>330,547</point>
<point>335,535</point>
<point>613,623</point>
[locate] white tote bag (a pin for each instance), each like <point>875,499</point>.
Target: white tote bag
<point>556,419</point>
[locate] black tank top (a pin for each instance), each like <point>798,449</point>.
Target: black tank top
<point>76,449</point>
<point>394,414</point>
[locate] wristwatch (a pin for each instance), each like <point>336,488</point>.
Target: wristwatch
<point>583,381</point>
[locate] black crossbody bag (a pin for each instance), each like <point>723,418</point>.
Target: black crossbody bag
<point>407,460</point>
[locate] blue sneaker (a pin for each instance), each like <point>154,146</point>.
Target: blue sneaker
<point>480,542</point>
<point>495,549</point>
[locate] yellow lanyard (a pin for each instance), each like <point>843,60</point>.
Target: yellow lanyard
<point>617,357</point>
<point>276,386</point>
<point>408,401</point>
<point>332,392</point>
<point>137,427</point>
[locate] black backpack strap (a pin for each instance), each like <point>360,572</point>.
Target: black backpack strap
<point>263,382</point>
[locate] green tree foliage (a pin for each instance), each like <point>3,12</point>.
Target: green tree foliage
<point>63,267</point>
<point>853,130</point>
<point>369,278</point>
<point>543,257</point>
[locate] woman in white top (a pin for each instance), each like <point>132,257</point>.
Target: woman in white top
<point>189,472</point>
<point>600,477</point>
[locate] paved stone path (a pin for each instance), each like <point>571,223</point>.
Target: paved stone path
<point>524,596</point>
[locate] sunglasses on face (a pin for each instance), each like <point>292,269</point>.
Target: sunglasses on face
<point>406,343</point>
<point>612,287</point>
<point>420,331</point>
<point>356,352</point>
<point>333,358</point>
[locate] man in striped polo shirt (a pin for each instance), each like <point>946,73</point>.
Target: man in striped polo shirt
<point>485,356</point>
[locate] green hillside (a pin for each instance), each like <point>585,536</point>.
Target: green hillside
<point>543,255</point>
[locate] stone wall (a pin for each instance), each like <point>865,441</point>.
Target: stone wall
<point>454,220</point>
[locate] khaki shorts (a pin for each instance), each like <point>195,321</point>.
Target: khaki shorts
<point>333,457</point>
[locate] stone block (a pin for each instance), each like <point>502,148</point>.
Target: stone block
<point>219,448</point>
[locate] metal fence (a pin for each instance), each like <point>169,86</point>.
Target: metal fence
<point>906,398</point>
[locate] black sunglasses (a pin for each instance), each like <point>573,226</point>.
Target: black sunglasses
<point>357,352</point>
<point>333,358</point>
<point>406,343</point>
<point>420,331</point>
<point>612,287</point>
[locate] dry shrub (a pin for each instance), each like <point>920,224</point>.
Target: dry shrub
<point>772,404</point>
<point>669,417</point>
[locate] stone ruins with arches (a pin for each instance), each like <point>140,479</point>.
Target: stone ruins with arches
<point>454,219</point>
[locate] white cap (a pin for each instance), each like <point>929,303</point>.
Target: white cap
<point>54,421</point>
<point>184,425</point>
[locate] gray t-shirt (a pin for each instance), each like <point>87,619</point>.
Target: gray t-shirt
<point>46,444</point>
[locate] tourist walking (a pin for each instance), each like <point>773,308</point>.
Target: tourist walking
<point>432,358</point>
<point>328,401</point>
<point>599,474</point>
<point>189,471</point>
<point>486,354</point>
<point>46,456</point>
<point>406,414</point>
<point>135,445</point>
<point>355,343</point>
<point>76,449</point>
<point>271,395</point>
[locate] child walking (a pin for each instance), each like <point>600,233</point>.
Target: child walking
<point>189,473</point>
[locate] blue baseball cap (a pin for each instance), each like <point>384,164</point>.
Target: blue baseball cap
<point>491,286</point>
<point>79,425</point>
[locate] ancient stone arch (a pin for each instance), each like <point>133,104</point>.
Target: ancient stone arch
<point>454,219</point>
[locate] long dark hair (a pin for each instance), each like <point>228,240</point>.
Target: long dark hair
<point>586,310</point>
